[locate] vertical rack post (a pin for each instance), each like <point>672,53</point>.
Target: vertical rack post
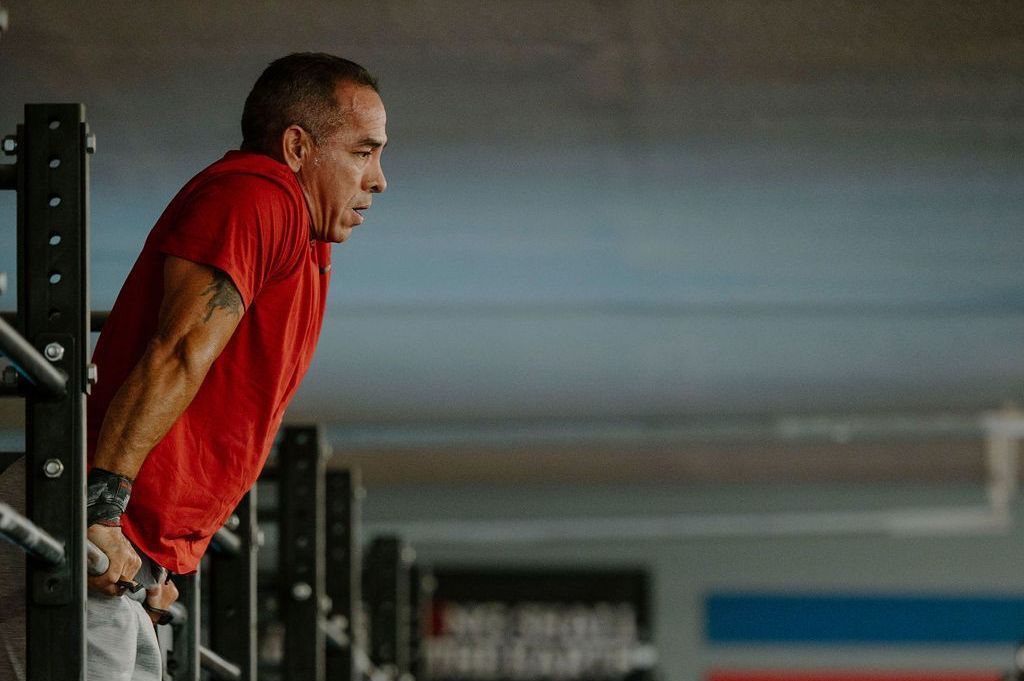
<point>53,314</point>
<point>417,666</point>
<point>301,461</point>
<point>183,658</point>
<point>389,602</point>
<point>343,567</point>
<point>232,581</point>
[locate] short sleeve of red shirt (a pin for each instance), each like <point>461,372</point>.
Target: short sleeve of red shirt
<point>239,224</point>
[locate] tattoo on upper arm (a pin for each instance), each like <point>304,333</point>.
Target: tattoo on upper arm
<point>223,295</point>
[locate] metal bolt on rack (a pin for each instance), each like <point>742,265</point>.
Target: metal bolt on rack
<point>301,591</point>
<point>54,352</point>
<point>53,468</point>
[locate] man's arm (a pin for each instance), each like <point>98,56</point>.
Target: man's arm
<point>200,311</point>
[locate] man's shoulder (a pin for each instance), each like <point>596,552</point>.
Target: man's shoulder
<point>241,189</point>
<point>256,175</point>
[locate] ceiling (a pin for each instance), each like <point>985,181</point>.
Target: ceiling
<point>603,211</point>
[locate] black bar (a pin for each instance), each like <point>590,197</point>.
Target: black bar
<point>301,457</point>
<point>226,543</point>
<point>179,615</point>
<point>417,654</point>
<point>218,666</point>
<point>343,567</point>
<point>33,365</point>
<point>336,639</point>
<point>97,562</point>
<point>232,581</point>
<point>386,593</point>
<point>183,658</point>
<point>53,307</point>
<point>23,533</point>
<point>8,176</point>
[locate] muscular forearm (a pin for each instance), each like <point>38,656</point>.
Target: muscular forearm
<point>152,398</point>
<point>154,395</point>
<point>198,315</point>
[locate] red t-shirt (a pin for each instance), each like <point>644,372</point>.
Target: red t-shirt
<point>244,215</point>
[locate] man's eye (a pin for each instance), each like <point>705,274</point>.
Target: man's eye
<point>364,154</point>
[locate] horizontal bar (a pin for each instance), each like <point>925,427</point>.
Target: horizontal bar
<point>226,543</point>
<point>334,635</point>
<point>179,614</point>
<point>8,174</point>
<point>96,561</point>
<point>36,542</point>
<point>217,665</point>
<point>97,318</point>
<point>31,362</point>
<point>24,533</point>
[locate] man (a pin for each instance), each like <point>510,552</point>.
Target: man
<point>212,333</point>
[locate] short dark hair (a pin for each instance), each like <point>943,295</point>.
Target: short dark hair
<point>298,90</point>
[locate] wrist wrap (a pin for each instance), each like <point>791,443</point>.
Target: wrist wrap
<point>106,497</point>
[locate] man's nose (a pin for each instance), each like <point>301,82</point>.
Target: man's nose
<point>378,182</point>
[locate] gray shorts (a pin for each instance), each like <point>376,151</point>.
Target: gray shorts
<point>121,639</point>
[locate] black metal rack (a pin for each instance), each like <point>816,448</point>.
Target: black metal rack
<point>301,459</point>
<point>48,344</point>
<point>319,567</point>
<point>344,587</point>
<point>389,599</point>
<point>231,621</point>
<point>232,582</point>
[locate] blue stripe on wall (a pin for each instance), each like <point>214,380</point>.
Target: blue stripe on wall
<point>792,618</point>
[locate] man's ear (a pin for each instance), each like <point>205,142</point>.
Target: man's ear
<point>296,147</point>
